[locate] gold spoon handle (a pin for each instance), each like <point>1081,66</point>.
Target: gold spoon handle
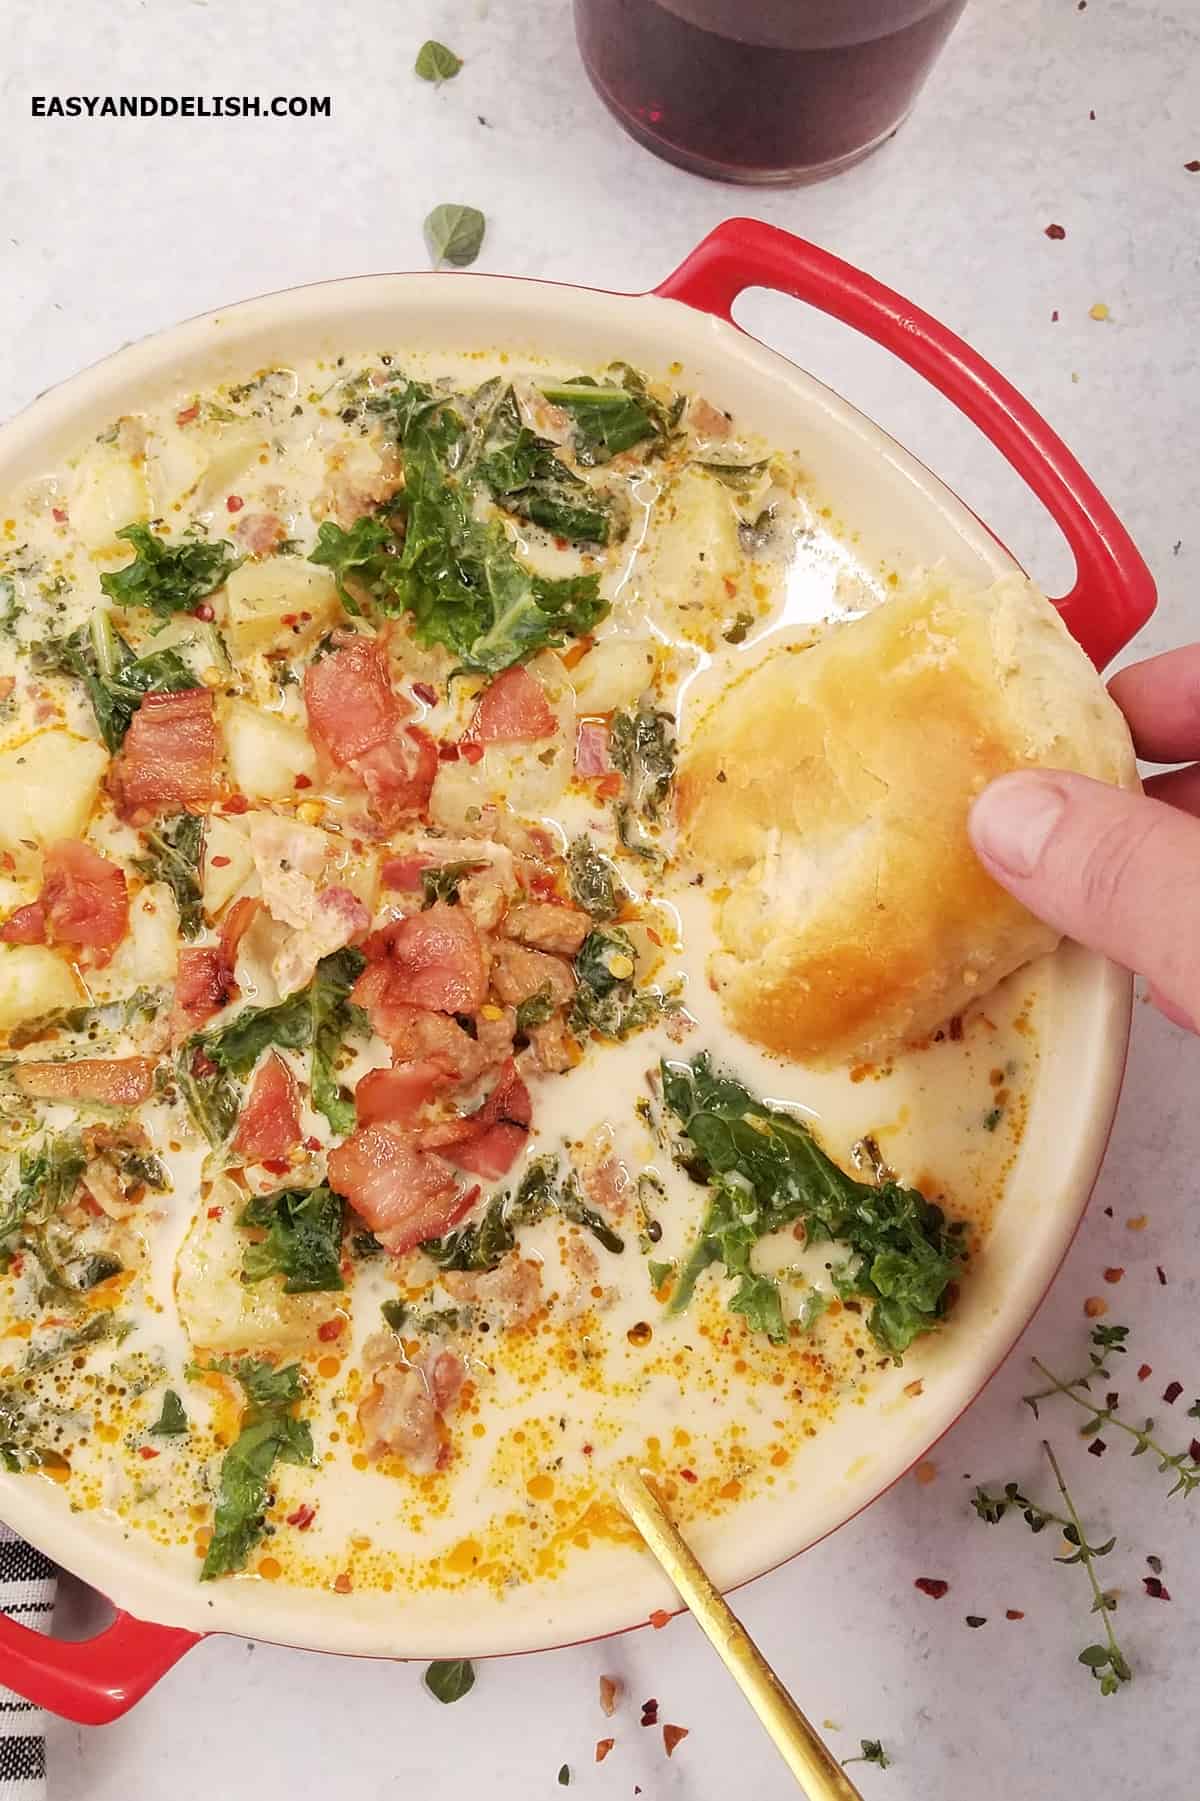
<point>815,1769</point>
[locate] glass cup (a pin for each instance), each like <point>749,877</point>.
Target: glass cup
<point>762,90</point>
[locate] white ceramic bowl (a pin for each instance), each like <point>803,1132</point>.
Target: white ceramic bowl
<point>903,515</point>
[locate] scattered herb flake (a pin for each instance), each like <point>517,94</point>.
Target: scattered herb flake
<point>450,1681</point>
<point>872,1752</point>
<point>454,234</point>
<point>172,1420</point>
<point>436,63</point>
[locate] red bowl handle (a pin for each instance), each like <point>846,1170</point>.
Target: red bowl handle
<point>1114,592</point>
<point>91,1680</point>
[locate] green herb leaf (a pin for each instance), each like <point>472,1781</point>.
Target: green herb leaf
<point>172,1420</point>
<point>169,578</point>
<point>436,63</point>
<point>174,854</point>
<point>454,234</point>
<point>658,1273</point>
<point>46,1180</point>
<point>482,1245</point>
<point>564,1776</point>
<point>334,1017</point>
<point>535,1009</point>
<point>210,1097</point>
<point>595,884</point>
<point>366,554</point>
<point>442,881</point>
<point>766,1170</point>
<point>116,681</point>
<point>269,1434</point>
<point>872,1752</point>
<point>526,477</point>
<point>605,1000</point>
<point>642,748</point>
<point>448,1682</point>
<point>611,418</point>
<point>236,1048</point>
<point>303,1242</point>
<point>572,1206</point>
<point>394,1314</point>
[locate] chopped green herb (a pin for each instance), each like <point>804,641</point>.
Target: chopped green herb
<point>736,475</point>
<point>172,1420</point>
<point>46,1180</point>
<point>482,1245</point>
<point>872,1752</point>
<point>605,1000</point>
<point>535,1010</point>
<point>736,633</point>
<point>269,1434</point>
<point>208,1094</point>
<point>454,234</point>
<point>115,679</point>
<point>448,1682</point>
<point>394,1314</point>
<point>658,1273</point>
<point>564,1776</point>
<point>993,1118</point>
<point>642,747</point>
<point>572,1206</point>
<point>526,477</point>
<point>334,1018</point>
<point>765,1170</point>
<point>442,881</point>
<point>174,854</point>
<point>169,578</point>
<point>303,1242</point>
<point>436,63</point>
<point>595,884</point>
<point>12,608</point>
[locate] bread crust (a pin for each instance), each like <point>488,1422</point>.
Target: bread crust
<point>825,797</point>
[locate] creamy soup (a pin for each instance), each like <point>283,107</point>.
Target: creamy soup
<point>379,1170</point>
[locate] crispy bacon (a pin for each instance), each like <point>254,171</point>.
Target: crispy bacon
<point>107,1081</point>
<point>270,1122</point>
<point>414,1033</point>
<point>357,719</point>
<point>236,923</point>
<point>404,873</point>
<point>404,1194</point>
<point>399,775</point>
<point>435,959</point>
<point>492,1138</point>
<point>84,902</point>
<point>513,709</point>
<point>166,762</point>
<point>395,1096</point>
<point>203,985</point>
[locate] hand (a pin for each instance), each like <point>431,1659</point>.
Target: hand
<point>1118,871</point>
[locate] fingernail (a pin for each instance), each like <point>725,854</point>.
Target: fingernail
<point>1013,818</point>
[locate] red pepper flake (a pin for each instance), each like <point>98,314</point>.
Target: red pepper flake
<point>933,1586</point>
<point>342,1583</point>
<point>1144,1370</point>
<point>1155,1589</point>
<point>689,1475</point>
<point>303,1517</point>
<point>329,1329</point>
<point>1054,317</point>
<point>312,1144</point>
<point>237,803</point>
<point>1172,1392</point>
<point>1193,168</point>
<point>278,1166</point>
<point>610,1692</point>
<point>424,692</point>
<point>472,751</point>
<point>672,1736</point>
<point>448,753</point>
<point>1056,231</point>
<point>659,1618</point>
<point>302,781</point>
<point>1097,1447</point>
<point>188,413</point>
<point>234,503</point>
<point>1161,1273</point>
<point>219,862</point>
<point>204,612</point>
<point>603,1747</point>
<point>215,1212</point>
<point>1113,1275</point>
<point>588,1450</point>
<point>59,515</point>
<point>147,1452</point>
<point>650,1712</point>
<point>1013,1613</point>
<point>976,1619</point>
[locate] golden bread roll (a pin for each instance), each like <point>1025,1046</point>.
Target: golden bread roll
<point>825,797</point>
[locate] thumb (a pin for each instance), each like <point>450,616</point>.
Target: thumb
<point>1115,870</point>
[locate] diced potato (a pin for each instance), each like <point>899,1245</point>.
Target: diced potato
<point>109,492</point>
<point>230,451</point>
<point>259,596</point>
<point>227,862</point>
<point>265,753</point>
<point>33,981</point>
<point>356,870</point>
<point>615,673</point>
<point>219,1312</point>
<point>531,777</point>
<point>48,788</point>
<point>690,553</point>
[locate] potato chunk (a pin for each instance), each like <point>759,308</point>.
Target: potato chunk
<point>219,1312</point>
<point>261,596</point>
<point>33,981</point>
<point>265,753</point>
<point>48,788</point>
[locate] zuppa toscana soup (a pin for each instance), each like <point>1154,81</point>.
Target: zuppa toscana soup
<point>380,1170</point>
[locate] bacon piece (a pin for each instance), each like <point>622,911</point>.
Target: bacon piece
<point>404,873</point>
<point>108,1081</point>
<point>513,709</point>
<point>270,1122</point>
<point>395,1096</point>
<point>518,973</point>
<point>166,762</point>
<point>489,1141</point>
<point>399,775</point>
<point>357,719</point>
<point>492,1154</point>
<point>591,748</point>
<point>84,902</point>
<point>203,985</point>
<point>434,959</point>
<point>338,916</point>
<point>548,926</point>
<point>235,925</point>
<point>404,1194</point>
<point>261,533</point>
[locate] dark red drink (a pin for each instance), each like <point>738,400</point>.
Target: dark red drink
<point>761,90</point>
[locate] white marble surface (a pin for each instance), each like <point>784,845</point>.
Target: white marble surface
<point>113,229</point>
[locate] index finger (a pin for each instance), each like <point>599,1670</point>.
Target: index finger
<point>1161,700</point>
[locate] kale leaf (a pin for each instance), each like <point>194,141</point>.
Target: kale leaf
<point>303,1242</point>
<point>611,417</point>
<point>269,1434</point>
<point>605,999</point>
<point>208,1094</point>
<point>334,1016</point>
<point>595,884</point>
<point>765,1170</point>
<point>169,578</point>
<point>535,1009</point>
<point>483,1244</point>
<point>116,680</point>
<point>525,476</point>
<point>46,1180</point>
<point>236,1047</point>
<point>441,881</point>
<point>366,554</point>
<point>642,748</point>
<point>174,854</point>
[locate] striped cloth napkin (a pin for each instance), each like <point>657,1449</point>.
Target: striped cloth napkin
<point>26,1592</point>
